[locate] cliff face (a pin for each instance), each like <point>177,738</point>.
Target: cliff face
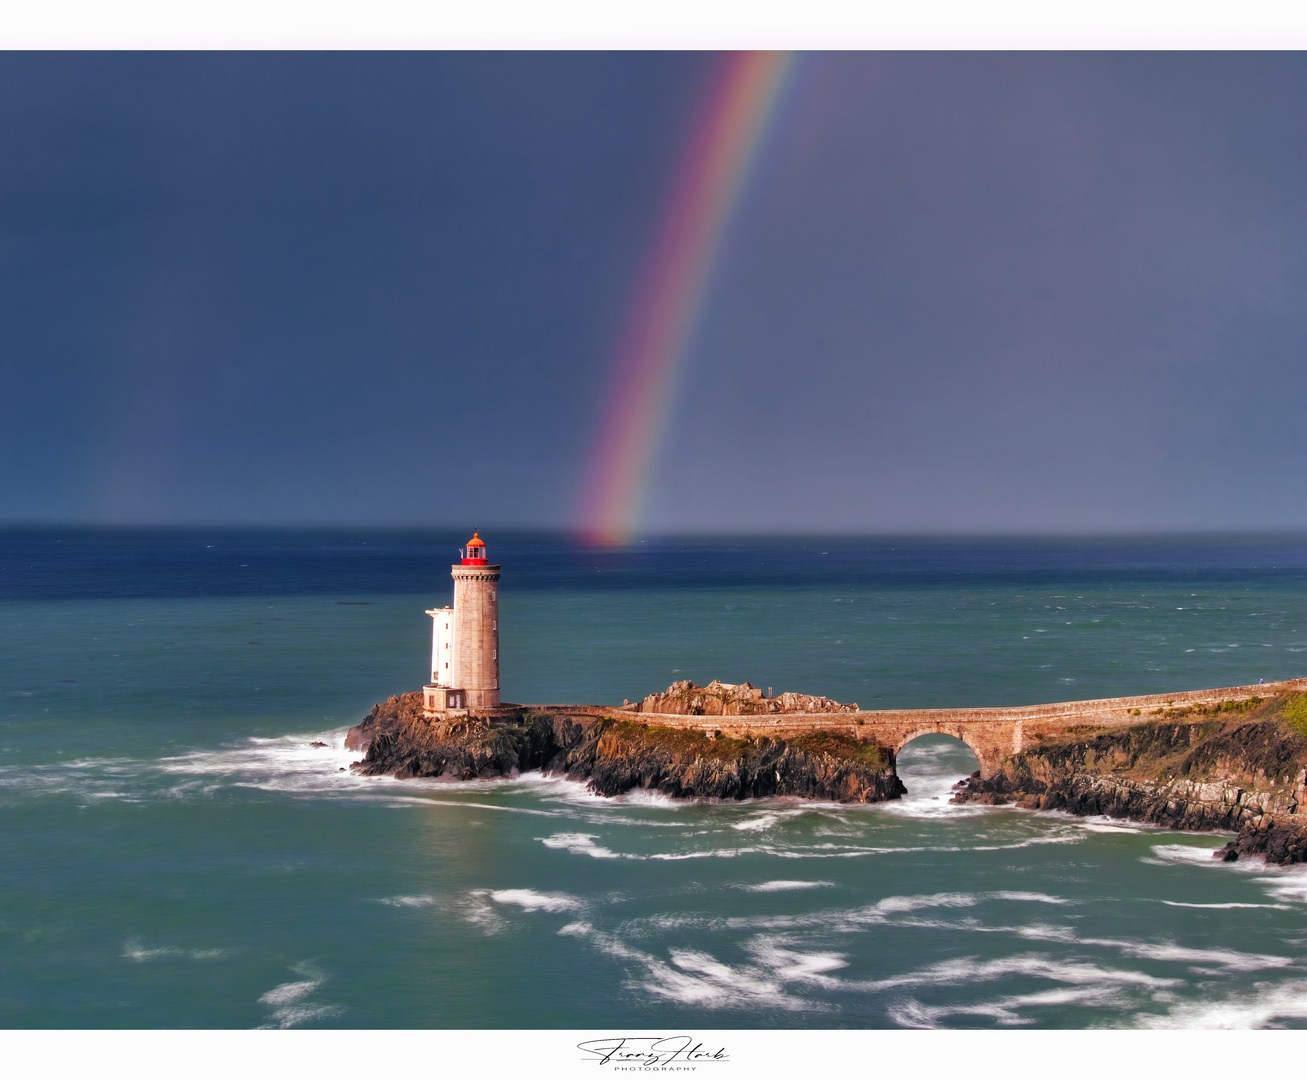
<point>1242,769</point>
<point>732,699</point>
<point>614,756</point>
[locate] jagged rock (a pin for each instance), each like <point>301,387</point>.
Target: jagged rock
<point>1246,775</point>
<point>732,699</point>
<point>614,755</point>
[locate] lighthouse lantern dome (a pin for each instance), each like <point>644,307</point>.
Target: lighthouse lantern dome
<point>475,554</point>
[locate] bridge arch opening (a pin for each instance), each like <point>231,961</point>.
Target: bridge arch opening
<point>929,764</point>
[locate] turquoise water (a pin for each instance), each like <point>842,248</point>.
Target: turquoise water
<point>174,853</point>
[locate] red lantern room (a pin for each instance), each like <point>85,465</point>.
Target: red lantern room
<point>475,555</point>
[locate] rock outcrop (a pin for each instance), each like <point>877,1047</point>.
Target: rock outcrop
<point>731,699</point>
<point>1245,771</point>
<point>614,755</point>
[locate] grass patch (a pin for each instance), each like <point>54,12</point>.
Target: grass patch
<point>679,742</point>
<point>1215,709</point>
<point>867,754</point>
<point>1294,712</point>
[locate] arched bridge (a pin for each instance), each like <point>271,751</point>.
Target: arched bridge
<point>993,734</point>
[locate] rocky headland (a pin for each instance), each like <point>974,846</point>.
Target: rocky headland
<point>613,754</point>
<point>1229,766</point>
<point>1229,760</point>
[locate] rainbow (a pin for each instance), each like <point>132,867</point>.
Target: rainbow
<point>670,291</point>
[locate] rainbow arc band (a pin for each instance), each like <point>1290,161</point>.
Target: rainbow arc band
<point>670,293</point>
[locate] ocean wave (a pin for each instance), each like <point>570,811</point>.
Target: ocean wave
<point>1223,907</point>
<point>289,1002</point>
<point>969,970</point>
<point>580,928</point>
<point>1229,959</point>
<point>133,950</point>
<point>765,820</point>
<point>784,886</point>
<point>581,844</point>
<point>530,900</point>
<point>694,977</point>
<point>577,843</point>
<point>1286,884</point>
<point>1005,1010</point>
<point>1185,853</point>
<point>1258,1007</point>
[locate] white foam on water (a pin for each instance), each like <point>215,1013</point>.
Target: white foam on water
<point>1288,885</point>
<point>289,1016</point>
<point>288,992</point>
<point>1040,932</point>
<point>477,911</point>
<point>135,951</point>
<point>1029,897</point>
<point>969,970</point>
<point>762,822</point>
<point>580,928</point>
<point>784,886</point>
<point>694,977</point>
<point>289,1003</point>
<point>1186,853</point>
<point>647,797</point>
<point>286,762</point>
<point>1100,827</point>
<point>530,900</point>
<point>845,920</point>
<point>1258,1007</point>
<point>1229,959</point>
<point>793,966</point>
<point>580,844</point>
<point>896,904</point>
<point>1066,836</point>
<point>1224,907</point>
<point>556,788</point>
<point>579,793</point>
<point>408,901</point>
<point>913,1014</point>
<point>479,805</point>
<point>929,792</point>
<point>291,764</point>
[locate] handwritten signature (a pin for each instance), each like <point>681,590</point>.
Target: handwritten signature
<point>648,1051</point>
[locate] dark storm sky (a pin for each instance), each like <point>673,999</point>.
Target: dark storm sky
<point>990,292</point>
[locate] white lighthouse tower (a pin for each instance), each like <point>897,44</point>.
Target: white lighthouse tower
<point>465,639</point>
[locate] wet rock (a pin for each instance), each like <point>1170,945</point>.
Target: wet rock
<point>613,755</point>
<point>1243,775</point>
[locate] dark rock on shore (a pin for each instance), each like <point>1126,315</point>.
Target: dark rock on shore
<point>614,755</point>
<point>1278,844</point>
<point>1243,774</point>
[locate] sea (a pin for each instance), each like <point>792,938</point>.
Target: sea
<point>178,851</point>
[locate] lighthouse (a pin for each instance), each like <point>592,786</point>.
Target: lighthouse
<point>465,638</point>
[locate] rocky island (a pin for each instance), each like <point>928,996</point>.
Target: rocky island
<point>613,753</point>
<point>1223,760</point>
<point>1230,758</point>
